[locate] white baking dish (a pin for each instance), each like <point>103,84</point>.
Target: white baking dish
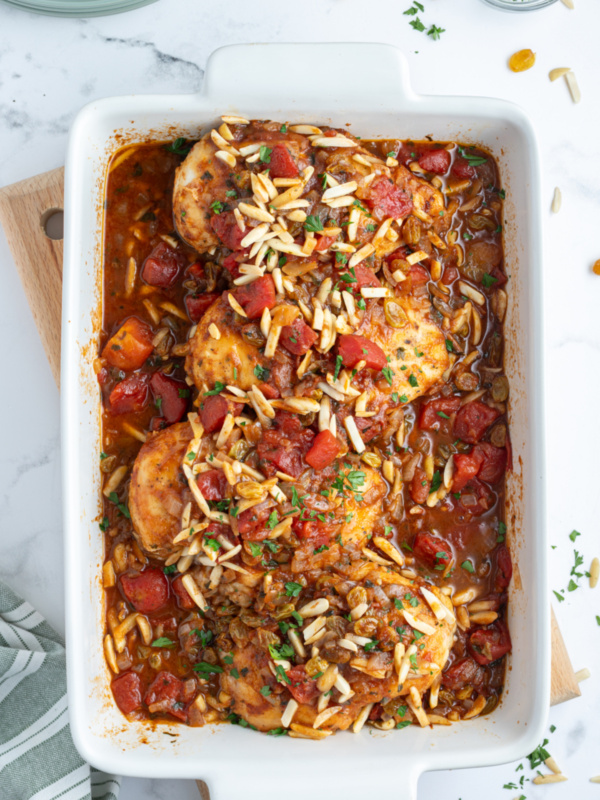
<point>303,83</point>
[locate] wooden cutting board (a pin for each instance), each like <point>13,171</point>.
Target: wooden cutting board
<point>24,209</point>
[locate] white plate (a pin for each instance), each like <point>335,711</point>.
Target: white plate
<point>366,86</point>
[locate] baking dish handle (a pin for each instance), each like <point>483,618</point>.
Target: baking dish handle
<point>373,782</point>
<point>314,76</point>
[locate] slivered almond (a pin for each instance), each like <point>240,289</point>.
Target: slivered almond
<point>415,258</point>
<point>419,624</point>
<point>256,213</point>
<point>231,119</point>
<point>214,332</point>
<point>339,190</point>
<point>226,158</point>
<point>573,85</point>
<point>388,548</point>
<point>236,306</point>
<point>361,254</point>
<point>354,434</point>
<point>333,141</point>
<point>558,72</point>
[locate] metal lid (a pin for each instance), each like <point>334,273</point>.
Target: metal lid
<point>77,8</point>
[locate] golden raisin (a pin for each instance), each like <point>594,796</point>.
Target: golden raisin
<point>315,665</point>
<point>596,267</point>
<point>365,626</point>
<point>356,596</point>
<point>522,60</point>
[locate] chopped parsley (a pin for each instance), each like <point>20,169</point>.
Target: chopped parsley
<point>261,373</point>
<point>283,651</point>
<point>265,691</point>
<point>436,481</point>
<point>179,147</point>
<point>339,361</point>
<point>218,207</point>
<point>388,374</point>
<point>265,154</point>
<point>313,223</point>
<point>104,524</point>
<point>488,280</point>
<point>435,32</point>
<point>170,569</point>
<point>341,258</point>
<point>501,532</point>
<point>468,566</point>
<point>293,589</point>
<point>472,158</point>
<point>163,641</point>
<point>539,755</point>
<point>114,498</point>
<point>283,129</point>
<point>217,389</point>
<point>417,24</point>
<point>412,380</point>
<point>204,668</point>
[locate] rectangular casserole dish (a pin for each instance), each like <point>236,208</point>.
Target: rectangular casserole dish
<point>377,102</point>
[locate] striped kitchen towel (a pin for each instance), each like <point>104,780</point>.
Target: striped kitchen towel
<point>38,760</point>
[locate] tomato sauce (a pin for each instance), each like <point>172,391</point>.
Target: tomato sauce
<point>156,287</point>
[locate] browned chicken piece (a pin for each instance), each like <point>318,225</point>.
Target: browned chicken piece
<point>158,490</point>
<point>203,178</point>
<point>231,359</point>
<point>416,350</point>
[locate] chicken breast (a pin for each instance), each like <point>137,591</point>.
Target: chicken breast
<point>158,490</point>
<point>229,359</point>
<point>416,351</point>
<point>198,183</point>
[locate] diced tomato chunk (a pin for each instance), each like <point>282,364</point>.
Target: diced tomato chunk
<point>419,486</point>
<point>431,549</point>
<point>313,531</point>
<point>323,242</point>
<point>183,598</point>
<point>127,691</point>
<point>418,275</point>
<point>325,449</point>
<point>476,497</point>
<point>466,467</point>
<point>365,278</point>
<point>252,523</point>
<point>148,591</point>
<point>232,262</point>
<point>436,411</point>
<point>298,337</point>
<point>462,169</point>
<point>256,296</point>
<point>493,462</point>
<point>170,396</point>
<point>463,672</point>
<point>302,687</point>
<point>226,227</point>
<point>162,266</point>
<point>130,346</point>
<point>436,161</point>
<point>284,446</point>
<point>130,395</point>
<point>197,304</point>
<point>450,275</point>
<point>484,461</point>
<point>504,568</point>
<point>490,643</point>
<point>269,391</point>
<point>500,277</point>
<point>212,484</point>
<point>473,420</point>
<point>282,165</point>
<point>213,410</point>
<point>166,695</point>
<point>353,349</point>
<point>196,271</point>
<point>388,200</point>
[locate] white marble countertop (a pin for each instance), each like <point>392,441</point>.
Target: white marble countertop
<point>50,67</point>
